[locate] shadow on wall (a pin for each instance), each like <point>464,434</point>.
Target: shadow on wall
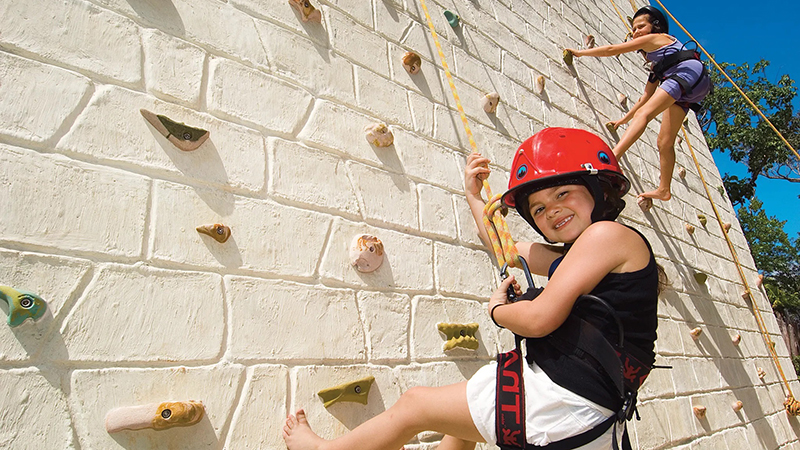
<point>199,436</point>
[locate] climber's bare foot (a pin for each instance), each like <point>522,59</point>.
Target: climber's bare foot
<point>658,194</point>
<point>298,434</point>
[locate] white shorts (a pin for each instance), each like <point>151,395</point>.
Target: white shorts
<point>552,413</point>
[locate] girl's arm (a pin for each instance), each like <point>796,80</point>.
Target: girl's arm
<point>648,43</point>
<point>649,90</point>
<point>603,248</point>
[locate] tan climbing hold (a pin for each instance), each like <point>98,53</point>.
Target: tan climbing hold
<point>699,411</point>
<point>682,173</point>
<point>611,127</point>
<point>726,226</point>
<point>702,218</point>
<point>645,203</point>
<point>356,391</point>
<point>745,296</point>
<point>366,253</point>
<point>622,99</point>
<point>379,135</point>
<point>490,101</point>
<point>540,84</point>
<point>568,57</point>
<point>696,332</point>
<point>690,228</point>
<point>459,335</point>
<point>158,416</point>
<point>183,136</point>
<point>761,373</point>
<point>306,10</point>
<point>589,41</point>
<point>700,277</point>
<point>737,339</point>
<point>412,63</point>
<point>678,140</point>
<point>759,280</point>
<point>737,405</point>
<point>218,231</point>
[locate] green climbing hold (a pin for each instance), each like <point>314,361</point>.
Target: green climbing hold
<point>452,18</point>
<point>22,305</point>
<point>181,135</point>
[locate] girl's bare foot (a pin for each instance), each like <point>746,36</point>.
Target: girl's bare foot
<point>298,434</point>
<point>658,194</point>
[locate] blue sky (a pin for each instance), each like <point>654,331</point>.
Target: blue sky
<point>738,31</point>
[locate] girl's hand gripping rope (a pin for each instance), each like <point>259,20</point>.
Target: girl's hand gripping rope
<point>501,295</point>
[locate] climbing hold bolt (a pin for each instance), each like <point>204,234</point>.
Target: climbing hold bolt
<point>412,63</point>
<point>568,57</point>
<point>366,253</point>
<point>726,226</point>
<point>490,102</point>
<point>699,411</point>
<point>690,228</point>
<point>696,332</point>
<point>737,339</point>
<point>306,10</point>
<point>682,173</point>
<point>158,416</point>
<point>181,135</point>
<point>588,41</point>
<point>540,84</point>
<point>379,135</point>
<point>22,305</point>
<point>622,99</point>
<point>459,335</point>
<point>702,219</point>
<point>452,18</point>
<point>356,391</point>
<point>218,231</point>
<point>700,277</point>
<point>737,405</point>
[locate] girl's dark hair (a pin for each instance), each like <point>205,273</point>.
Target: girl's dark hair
<point>658,27</point>
<point>614,204</point>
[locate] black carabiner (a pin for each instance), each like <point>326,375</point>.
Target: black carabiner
<point>512,296</point>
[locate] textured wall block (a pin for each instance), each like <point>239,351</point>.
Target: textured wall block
<point>173,69</point>
<point>95,392</point>
<point>387,100</point>
<point>358,43</point>
<point>476,279</point>
<point>140,314</point>
<point>30,400</point>
<point>233,155</point>
<point>436,373</point>
<point>319,70</point>
<point>54,202</point>
<point>264,401</point>
<point>387,197</point>
<point>386,320</point>
<point>35,99</point>
<point>264,235</point>
<point>436,213</point>
<point>238,93</point>
<point>277,320</point>
<point>518,71</point>
<point>427,341</point>
<point>426,160</point>
<point>408,263</point>
<point>309,176</point>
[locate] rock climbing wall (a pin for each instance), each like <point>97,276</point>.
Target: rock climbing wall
<point>100,206</point>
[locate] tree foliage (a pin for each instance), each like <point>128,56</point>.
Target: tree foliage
<point>732,126</point>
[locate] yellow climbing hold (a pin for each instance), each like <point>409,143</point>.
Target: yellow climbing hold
<point>356,391</point>
<point>459,335</point>
<point>568,56</point>
<point>702,219</point>
<point>700,277</point>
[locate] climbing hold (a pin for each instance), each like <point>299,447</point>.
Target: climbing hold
<point>690,228</point>
<point>611,127</point>
<point>761,373</point>
<point>181,135</point>
<point>737,339</point>
<point>726,226</point>
<point>696,332</point>
<point>745,296</point>
<point>686,121</point>
<point>158,416</point>
<point>306,10</point>
<point>678,140</point>
<point>379,135</point>
<point>588,41</point>
<point>699,411</point>
<point>459,335</point>
<point>412,63</point>
<point>218,231</point>
<point>366,253</point>
<point>682,173</point>
<point>568,57</point>
<point>540,84</point>
<point>622,99</point>
<point>737,405</point>
<point>490,102</point>
<point>760,280</point>
<point>452,18</point>
<point>22,305</point>
<point>700,277</point>
<point>702,219</point>
<point>792,406</point>
<point>357,391</point>
<point>645,203</point>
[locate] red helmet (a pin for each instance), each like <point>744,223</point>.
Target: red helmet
<point>559,156</point>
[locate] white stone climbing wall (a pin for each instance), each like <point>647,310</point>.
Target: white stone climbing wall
<point>99,210</point>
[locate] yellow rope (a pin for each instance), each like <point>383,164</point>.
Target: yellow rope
<point>496,227</point>
<point>756,108</point>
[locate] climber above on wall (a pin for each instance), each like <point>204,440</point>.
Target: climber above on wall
<point>567,184</point>
<point>678,81</point>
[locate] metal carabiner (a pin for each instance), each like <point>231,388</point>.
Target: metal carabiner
<point>512,296</point>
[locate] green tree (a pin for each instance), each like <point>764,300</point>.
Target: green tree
<point>733,127</point>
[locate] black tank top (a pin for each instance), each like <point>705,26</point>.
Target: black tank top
<point>634,297</point>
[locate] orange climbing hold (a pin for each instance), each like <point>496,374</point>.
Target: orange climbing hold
<point>412,63</point>
<point>699,411</point>
<point>696,332</point>
<point>490,102</point>
<point>306,10</point>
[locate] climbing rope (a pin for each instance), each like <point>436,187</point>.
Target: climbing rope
<point>496,227</point>
<point>791,404</point>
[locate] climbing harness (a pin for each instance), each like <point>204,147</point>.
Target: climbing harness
<point>673,59</point>
<point>496,227</point>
